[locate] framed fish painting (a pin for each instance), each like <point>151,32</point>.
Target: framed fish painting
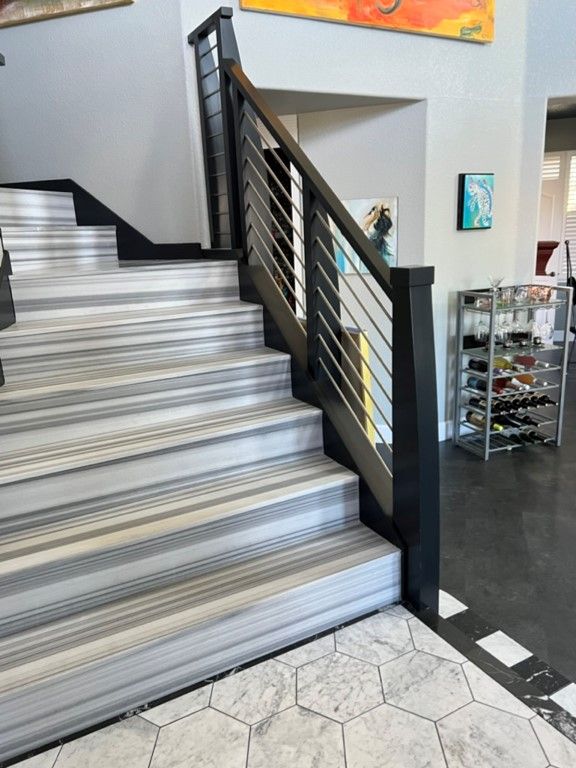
<point>475,200</point>
<point>471,20</point>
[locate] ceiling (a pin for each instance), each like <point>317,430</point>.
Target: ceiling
<point>298,102</point>
<point>561,108</point>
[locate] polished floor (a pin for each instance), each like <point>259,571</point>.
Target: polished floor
<point>385,692</point>
<point>509,541</point>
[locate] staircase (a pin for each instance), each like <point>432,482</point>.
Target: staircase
<point>167,509</point>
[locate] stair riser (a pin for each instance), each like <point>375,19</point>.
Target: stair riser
<point>34,596</point>
<point>126,289</point>
<point>291,437</point>
<point>44,251</point>
<point>25,357</point>
<point>31,208</point>
<point>28,717</point>
<point>97,412</point>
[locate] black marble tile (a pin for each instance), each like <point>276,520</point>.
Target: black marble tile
<point>472,625</point>
<point>508,539</point>
<point>536,671</point>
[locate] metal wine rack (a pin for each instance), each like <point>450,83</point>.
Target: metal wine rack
<point>490,305</point>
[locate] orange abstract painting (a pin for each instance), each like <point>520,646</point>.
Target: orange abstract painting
<point>462,19</point>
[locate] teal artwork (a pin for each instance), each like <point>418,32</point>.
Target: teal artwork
<point>475,200</point>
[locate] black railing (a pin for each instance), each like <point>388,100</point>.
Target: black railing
<point>362,330</point>
<point>7,314</point>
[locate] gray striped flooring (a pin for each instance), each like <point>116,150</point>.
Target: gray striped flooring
<point>167,510</point>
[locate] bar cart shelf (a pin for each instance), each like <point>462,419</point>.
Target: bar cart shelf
<point>510,387</point>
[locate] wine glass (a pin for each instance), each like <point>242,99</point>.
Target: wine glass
<point>494,282</point>
<point>546,331</point>
<point>481,332</point>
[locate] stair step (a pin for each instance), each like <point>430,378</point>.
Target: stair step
<point>64,473</point>
<point>35,349</point>
<point>32,207</point>
<point>125,289</point>
<point>103,662</point>
<point>100,401</point>
<point>97,555</point>
<point>52,251</point>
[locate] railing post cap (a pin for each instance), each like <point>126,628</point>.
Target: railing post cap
<point>226,12</point>
<point>411,276</point>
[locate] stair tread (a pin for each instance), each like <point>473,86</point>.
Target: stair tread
<point>63,645</point>
<point>126,317</point>
<point>55,458</point>
<point>123,270</point>
<point>117,375</point>
<point>165,512</point>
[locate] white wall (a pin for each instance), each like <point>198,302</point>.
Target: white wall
<point>101,98</point>
<point>375,152</point>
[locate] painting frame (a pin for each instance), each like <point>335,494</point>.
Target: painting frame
<point>16,12</point>
<point>476,24</point>
<point>475,201</point>
<point>363,212</point>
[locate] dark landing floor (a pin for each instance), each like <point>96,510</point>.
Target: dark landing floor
<point>509,540</point>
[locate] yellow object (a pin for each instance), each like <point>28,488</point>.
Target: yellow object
<point>471,20</point>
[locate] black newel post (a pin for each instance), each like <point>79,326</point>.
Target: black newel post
<point>415,442</point>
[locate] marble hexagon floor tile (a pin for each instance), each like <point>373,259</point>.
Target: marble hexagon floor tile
<point>44,760</point>
<point>425,685</point>
<point>339,686</point>
<point>128,743</point>
<point>309,652</point>
<point>296,738</point>
<point>182,706</point>
<point>426,640</point>
<point>387,737</point>
<point>559,750</point>
<point>257,692</point>
<point>377,639</point>
<point>207,739</point>
<point>487,691</point>
<point>479,736</point>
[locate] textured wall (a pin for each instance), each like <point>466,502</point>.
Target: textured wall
<point>101,97</point>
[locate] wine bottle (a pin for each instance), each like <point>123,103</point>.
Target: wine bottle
<point>535,437</point>
<point>527,378</point>
<point>478,365</point>
<point>515,383</point>
<point>478,420</point>
<point>502,362</point>
<point>482,385</point>
<point>544,400</point>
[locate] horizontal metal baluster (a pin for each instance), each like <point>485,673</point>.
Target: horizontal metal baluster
<point>362,427</point>
<point>276,179</point>
<point>359,325</point>
<point>366,363</point>
<point>297,183</point>
<point>363,277</point>
<point>273,196</point>
<point>273,218</point>
<point>357,373</point>
<point>356,396</point>
<point>209,51</point>
<point>281,274</point>
<point>272,256</point>
<point>210,72</point>
<point>275,283</point>
<point>273,150</point>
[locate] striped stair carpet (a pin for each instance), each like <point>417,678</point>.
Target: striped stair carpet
<point>167,510</point>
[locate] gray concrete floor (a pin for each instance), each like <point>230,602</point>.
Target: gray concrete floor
<point>509,540</point>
